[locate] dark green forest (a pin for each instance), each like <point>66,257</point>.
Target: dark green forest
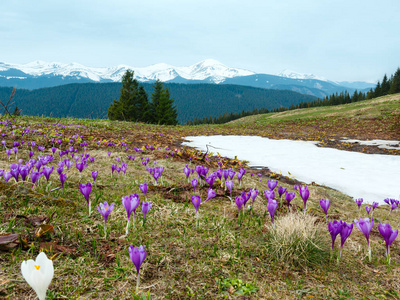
<point>192,101</point>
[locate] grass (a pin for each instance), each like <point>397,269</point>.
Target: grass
<point>298,240</point>
<point>373,108</point>
<point>221,258</point>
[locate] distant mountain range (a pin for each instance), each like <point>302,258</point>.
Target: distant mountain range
<point>39,74</point>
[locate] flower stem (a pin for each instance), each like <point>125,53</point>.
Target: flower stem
<point>127,227</point>
<point>137,283</point>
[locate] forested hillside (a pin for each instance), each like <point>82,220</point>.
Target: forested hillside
<point>91,100</point>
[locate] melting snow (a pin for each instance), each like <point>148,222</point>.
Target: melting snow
<point>373,177</point>
<point>383,144</point>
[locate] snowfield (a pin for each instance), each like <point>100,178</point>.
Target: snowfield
<point>372,177</point>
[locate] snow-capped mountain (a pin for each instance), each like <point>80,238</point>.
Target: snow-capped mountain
<point>295,75</point>
<point>208,69</point>
<point>39,74</point>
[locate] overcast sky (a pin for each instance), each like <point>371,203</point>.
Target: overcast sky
<point>336,39</point>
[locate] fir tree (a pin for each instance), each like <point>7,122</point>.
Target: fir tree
<point>162,109</point>
<point>395,83</point>
<point>127,107</point>
<point>385,86</point>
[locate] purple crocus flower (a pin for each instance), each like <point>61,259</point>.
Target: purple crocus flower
<point>7,176</point>
<point>239,203</point>
<point>86,190</point>
<point>289,197</point>
<point>344,234</point>
<point>105,211</point>
<point>68,163</point>
<point>63,178</point>
<point>359,201</point>
<point>15,149</point>
<point>194,183</point>
<point>24,171</point>
<point>113,168</point>
<point>245,196</point>
<point>145,209</point>
<point>393,206</point>
<point>272,206</point>
<point>389,236</point>
<point>31,154</point>
<point>60,170</point>
<point>253,194</point>
<point>80,165</point>
<point>130,204</point>
<point>304,193</point>
<point>35,176</point>
<point>8,151</point>
<point>225,174</point>
<point>47,172</point>
<point>240,175</point>
<point>368,209</point>
<point>137,256</point>
<point>143,187</point>
<point>157,173</point>
<point>186,170</point>
<point>281,191</point>
<point>14,171</point>
<point>211,194</point>
<point>94,175</point>
<point>334,227</point>
<point>210,180</point>
<point>272,184</point>
<point>229,185</point>
<point>365,226</point>
<point>269,194</point>
<point>374,205</point>
<point>196,200</point>
<point>325,203</point>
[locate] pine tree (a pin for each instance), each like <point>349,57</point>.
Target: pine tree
<point>378,90</point>
<point>162,107</point>
<point>126,107</point>
<point>395,83</point>
<point>385,85</point>
<point>143,106</point>
<point>155,113</point>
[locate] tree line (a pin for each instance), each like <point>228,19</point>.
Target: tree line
<point>134,105</point>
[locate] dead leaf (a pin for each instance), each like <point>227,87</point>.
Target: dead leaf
<point>44,229</point>
<point>8,238</point>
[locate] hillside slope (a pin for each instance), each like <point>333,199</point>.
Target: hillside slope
<point>374,108</point>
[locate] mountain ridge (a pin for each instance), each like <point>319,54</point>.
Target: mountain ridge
<point>39,74</point>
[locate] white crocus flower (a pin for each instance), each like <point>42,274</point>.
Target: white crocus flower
<point>38,273</point>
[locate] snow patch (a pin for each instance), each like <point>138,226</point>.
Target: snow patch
<point>373,177</point>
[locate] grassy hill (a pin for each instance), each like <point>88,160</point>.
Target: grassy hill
<point>381,107</point>
<point>217,256</point>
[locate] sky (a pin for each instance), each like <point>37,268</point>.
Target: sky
<point>341,40</point>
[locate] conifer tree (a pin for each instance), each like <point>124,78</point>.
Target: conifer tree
<point>385,86</point>
<point>378,90</point>
<point>162,107</point>
<point>395,83</point>
<point>133,104</point>
<point>143,106</point>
